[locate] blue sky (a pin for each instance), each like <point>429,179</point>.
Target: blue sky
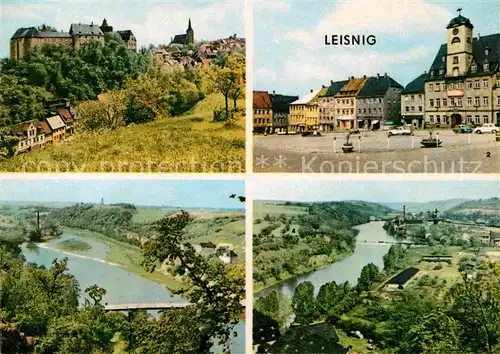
<point>151,21</point>
<point>374,191</point>
<point>290,56</point>
<point>181,193</point>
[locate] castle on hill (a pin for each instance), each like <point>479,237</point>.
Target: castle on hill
<point>26,39</point>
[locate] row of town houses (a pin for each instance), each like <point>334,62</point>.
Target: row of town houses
<point>462,86</point>
<point>36,134</point>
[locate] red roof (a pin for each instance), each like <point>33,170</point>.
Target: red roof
<point>45,126</point>
<point>65,115</point>
<point>261,100</point>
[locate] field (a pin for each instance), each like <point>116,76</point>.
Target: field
<point>190,143</point>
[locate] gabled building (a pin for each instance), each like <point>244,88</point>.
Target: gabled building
<point>82,33</point>
<point>304,112</point>
<point>281,110</point>
<point>413,101</point>
<point>345,103</point>
<point>378,102</point>
<point>462,86</point>
<point>184,39</point>
<point>58,128</point>
<point>262,112</point>
<point>327,121</point>
<point>30,134</point>
<point>68,120</point>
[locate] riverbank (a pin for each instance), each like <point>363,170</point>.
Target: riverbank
<point>126,256</point>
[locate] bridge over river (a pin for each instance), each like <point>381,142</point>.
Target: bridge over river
<point>151,306</point>
<point>382,243</point>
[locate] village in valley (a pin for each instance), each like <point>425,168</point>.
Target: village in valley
<point>452,108</point>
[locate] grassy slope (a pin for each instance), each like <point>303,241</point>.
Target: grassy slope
<point>180,144</point>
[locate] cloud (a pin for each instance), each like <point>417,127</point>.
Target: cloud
<point>267,74</point>
<point>389,18</point>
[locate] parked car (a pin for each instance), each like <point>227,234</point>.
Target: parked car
<point>400,131</point>
<point>486,128</point>
<point>282,133</point>
<point>354,131</point>
<point>462,128</point>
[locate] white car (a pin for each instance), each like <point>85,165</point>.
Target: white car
<point>400,131</point>
<point>486,128</point>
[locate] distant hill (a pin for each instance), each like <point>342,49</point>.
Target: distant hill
<point>481,211</point>
<point>413,207</point>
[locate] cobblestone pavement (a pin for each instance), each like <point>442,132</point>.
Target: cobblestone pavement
<point>374,152</point>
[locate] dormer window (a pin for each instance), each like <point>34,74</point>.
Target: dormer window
<point>486,51</point>
<point>441,71</point>
<point>455,40</point>
<point>473,67</point>
<point>486,66</point>
<point>443,59</point>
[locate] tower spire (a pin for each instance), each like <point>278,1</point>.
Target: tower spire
<point>189,24</point>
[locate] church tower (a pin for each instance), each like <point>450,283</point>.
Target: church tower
<point>189,34</point>
<point>459,46</point>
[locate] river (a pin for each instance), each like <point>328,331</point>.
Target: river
<point>89,268</point>
<point>350,267</point>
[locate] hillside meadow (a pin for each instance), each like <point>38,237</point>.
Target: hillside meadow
<point>188,143</point>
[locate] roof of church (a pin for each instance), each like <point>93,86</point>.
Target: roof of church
<point>180,39</point>
<point>415,86</point>
<point>459,21</point>
<point>378,86</point>
<point>479,46</point>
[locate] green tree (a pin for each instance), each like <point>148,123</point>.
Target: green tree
<point>368,275</point>
<point>304,303</point>
<point>216,298</point>
<point>277,306</point>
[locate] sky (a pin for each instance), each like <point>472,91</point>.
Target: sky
<point>152,22</point>
<point>290,56</point>
<point>145,192</point>
<point>371,191</point>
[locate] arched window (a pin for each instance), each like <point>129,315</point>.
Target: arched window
<point>455,71</point>
<point>455,40</point>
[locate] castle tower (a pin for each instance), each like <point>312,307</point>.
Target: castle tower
<point>189,34</point>
<point>105,28</point>
<point>459,46</point>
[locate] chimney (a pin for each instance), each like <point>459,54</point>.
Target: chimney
<point>486,51</point>
<point>378,75</point>
<point>425,72</point>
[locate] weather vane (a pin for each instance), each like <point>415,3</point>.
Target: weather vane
<point>459,10</point>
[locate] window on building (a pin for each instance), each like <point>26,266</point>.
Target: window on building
<point>476,101</point>
<point>473,67</point>
<point>477,120</point>
<point>485,67</point>
<point>455,60</point>
<point>379,110</point>
<point>438,102</point>
<point>498,101</point>
<point>445,102</point>
<point>469,101</point>
<point>359,110</point>
<point>364,110</point>
<point>431,118</point>
<point>438,87</point>
<point>438,119</point>
<point>476,84</point>
<point>469,84</point>
<point>431,87</point>
<point>469,119</point>
<point>459,101</point>
<point>485,119</point>
<point>452,101</point>
<point>420,108</point>
<point>455,40</point>
<point>485,83</point>
<point>455,71</point>
<point>485,101</point>
<point>412,97</point>
<point>431,102</point>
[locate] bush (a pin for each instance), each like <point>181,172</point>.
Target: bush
<point>197,119</point>
<point>137,114</point>
<point>438,267</point>
<point>220,115</point>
